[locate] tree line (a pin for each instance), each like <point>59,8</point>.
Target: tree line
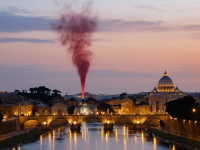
<point>184,108</point>
<point>42,93</point>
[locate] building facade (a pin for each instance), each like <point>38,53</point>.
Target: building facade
<point>130,107</point>
<point>42,109</point>
<point>163,93</point>
<point>25,108</point>
<point>59,109</point>
<point>9,110</point>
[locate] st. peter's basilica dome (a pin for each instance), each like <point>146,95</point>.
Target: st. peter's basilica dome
<point>165,84</point>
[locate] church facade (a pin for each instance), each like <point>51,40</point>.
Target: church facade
<point>163,93</point>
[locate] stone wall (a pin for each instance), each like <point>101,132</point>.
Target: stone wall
<point>58,122</point>
<point>7,127</point>
<point>185,126</point>
<point>124,121</point>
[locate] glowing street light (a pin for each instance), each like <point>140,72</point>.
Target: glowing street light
<point>45,123</point>
<point>108,122</point>
<point>194,110</point>
<point>74,122</point>
<point>138,122</point>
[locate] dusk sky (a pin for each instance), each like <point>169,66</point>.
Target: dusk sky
<point>134,43</point>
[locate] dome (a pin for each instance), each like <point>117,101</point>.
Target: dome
<point>40,105</point>
<point>155,89</point>
<point>177,89</point>
<point>165,84</point>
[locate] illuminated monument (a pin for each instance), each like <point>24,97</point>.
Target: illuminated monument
<point>165,92</point>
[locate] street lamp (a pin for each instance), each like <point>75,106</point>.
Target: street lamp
<point>194,110</point>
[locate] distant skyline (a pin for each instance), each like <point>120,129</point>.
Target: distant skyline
<point>134,43</point>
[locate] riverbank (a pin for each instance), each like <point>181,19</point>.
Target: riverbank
<point>175,139</point>
<point>15,140</point>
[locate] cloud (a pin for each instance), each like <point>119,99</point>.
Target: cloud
<point>106,40</point>
<point>7,40</point>
<point>148,7</point>
<point>98,81</point>
<point>15,10</point>
<point>32,72</point>
<point>117,25</point>
<point>16,23</point>
<point>18,10</point>
<point>117,74</point>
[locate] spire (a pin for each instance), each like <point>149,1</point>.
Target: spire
<point>165,73</point>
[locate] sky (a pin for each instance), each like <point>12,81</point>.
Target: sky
<point>135,41</point>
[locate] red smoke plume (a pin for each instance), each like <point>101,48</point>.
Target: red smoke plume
<point>75,31</point>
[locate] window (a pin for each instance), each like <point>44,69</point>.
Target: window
<point>150,108</point>
<point>157,106</point>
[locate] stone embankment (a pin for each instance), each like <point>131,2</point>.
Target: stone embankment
<point>17,140</point>
<point>174,139</point>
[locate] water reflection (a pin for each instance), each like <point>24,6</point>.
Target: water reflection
<point>53,139</point>
<point>116,136</point>
<point>94,137</point>
<point>154,141</point>
<point>49,141</point>
<point>174,147</point>
<point>40,142</point>
<point>142,138</point>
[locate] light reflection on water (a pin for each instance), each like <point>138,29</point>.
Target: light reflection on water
<point>94,137</point>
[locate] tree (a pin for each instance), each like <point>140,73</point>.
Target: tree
<point>1,117</point>
<point>71,109</point>
<point>16,91</point>
<point>48,91</point>
<point>42,90</point>
<point>31,90</point>
<point>36,90</point>
<point>103,108</point>
<point>55,93</point>
<point>183,108</point>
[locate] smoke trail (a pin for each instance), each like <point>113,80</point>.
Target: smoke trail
<point>75,31</point>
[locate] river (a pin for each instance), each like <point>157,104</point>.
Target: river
<point>93,137</point>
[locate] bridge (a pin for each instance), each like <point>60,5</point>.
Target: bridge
<point>108,121</point>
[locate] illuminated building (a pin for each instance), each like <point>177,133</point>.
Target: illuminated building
<point>9,110</point>
<point>42,109</point>
<point>129,107</point>
<point>59,109</point>
<point>56,100</point>
<point>72,102</point>
<point>25,108</point>
<point>165,92</point>
<point>10,98</point>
